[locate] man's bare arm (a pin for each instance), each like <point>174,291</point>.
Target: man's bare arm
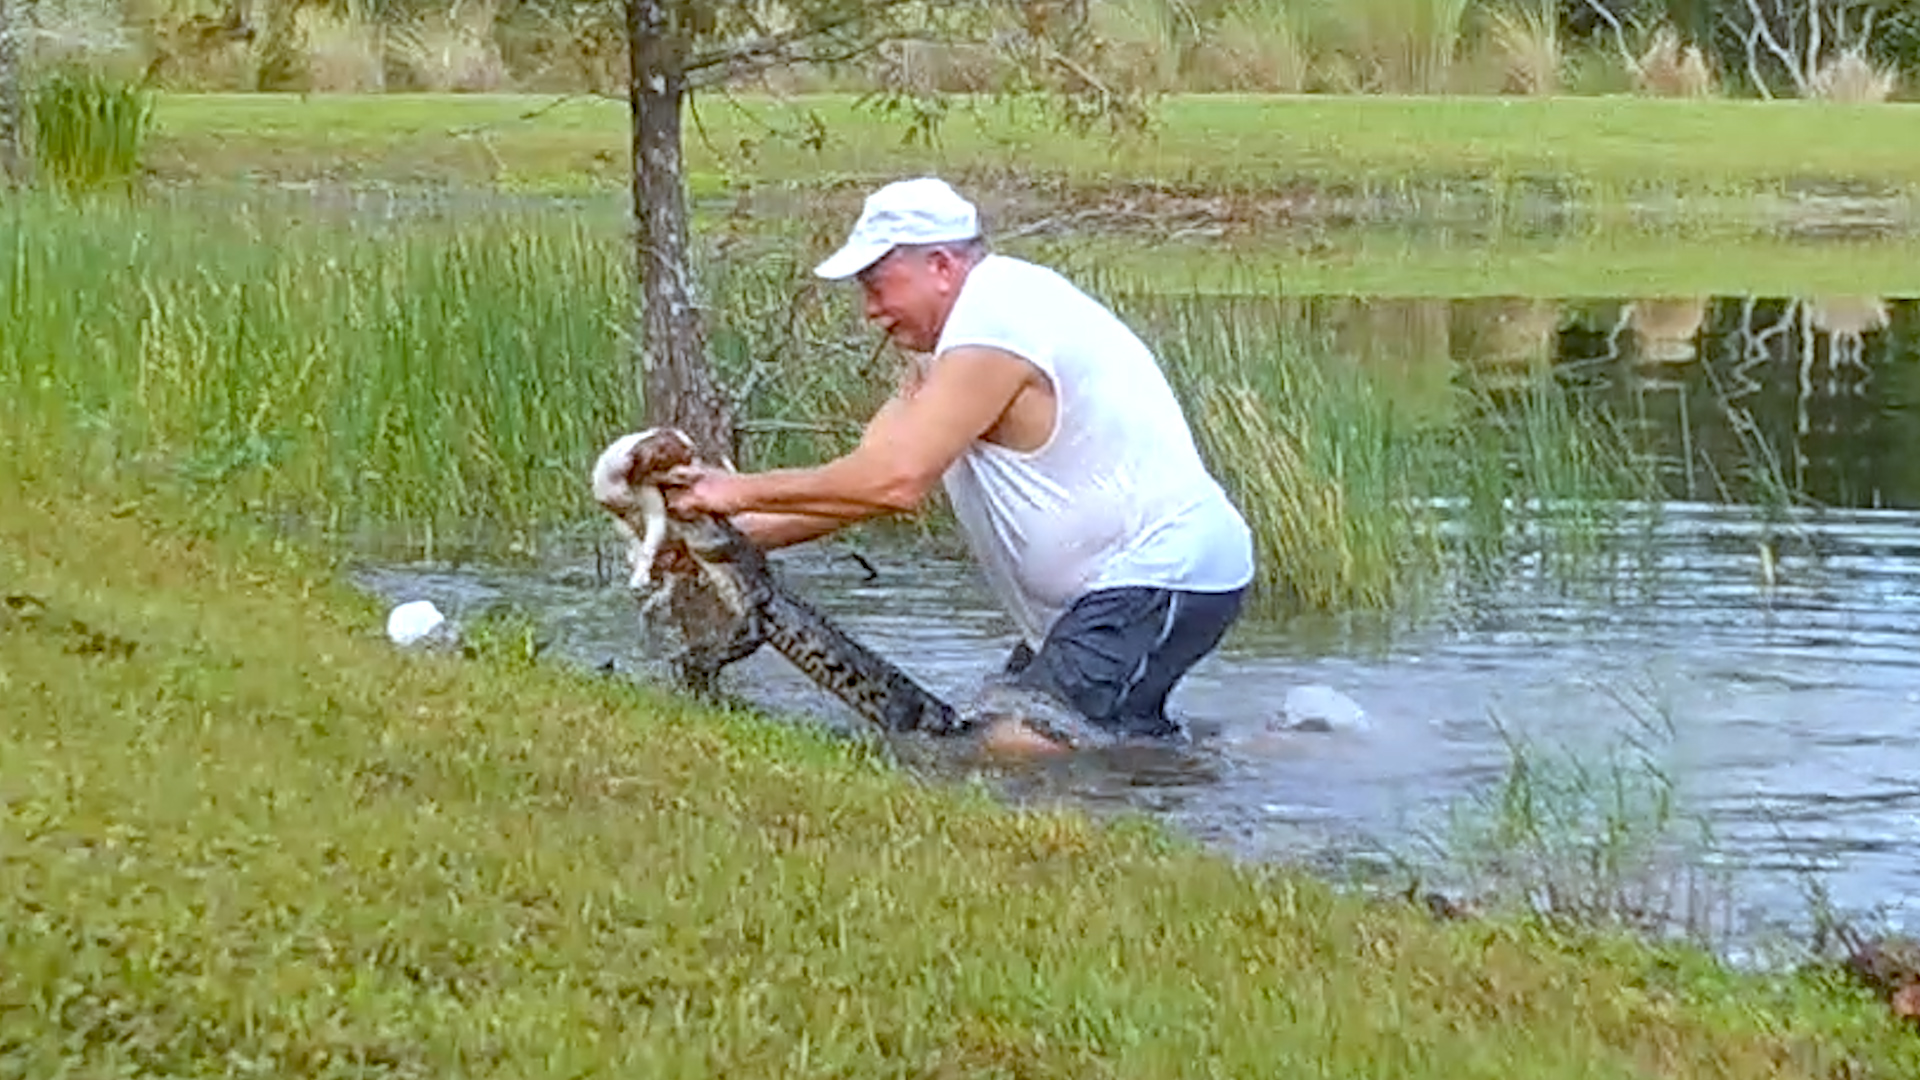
<point>771,530</point>
<point>905,449</point>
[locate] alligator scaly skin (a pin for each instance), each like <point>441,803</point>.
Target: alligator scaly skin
<point>767,613</point>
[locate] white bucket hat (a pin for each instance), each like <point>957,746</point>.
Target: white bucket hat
<point>922,211</point>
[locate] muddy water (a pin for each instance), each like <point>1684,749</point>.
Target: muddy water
<point>1794,701</point>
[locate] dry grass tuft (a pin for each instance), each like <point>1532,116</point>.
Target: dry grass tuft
<point>452,50</point>
<point>1668,69</point>
<point>202,52</point>
<point>1251,48</point>
<point>1515,335</point>
<point>1667,330</point>
<point>1851,78</point>
<point>1140,42</point>
<point>1527,42</point>
<point>344,54</point>
<point>1849,314</point>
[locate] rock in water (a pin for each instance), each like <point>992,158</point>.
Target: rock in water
<point>417,622</point>
<point>1320,708</point>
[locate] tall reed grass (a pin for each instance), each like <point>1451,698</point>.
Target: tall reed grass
<point>1541,478</point>
<point>1361,496</point>
<point>89,128</point>
<point>421,379</point>
<point>1402,46</point>
<point>1324,465</point>
<point>431,379</point>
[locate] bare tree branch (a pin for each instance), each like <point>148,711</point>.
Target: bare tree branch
<point>1753,64</point>
<point>677,48</point>
<point>1765,33</point>
<point>1810,63</point>
<point>720,72</point>
<point>1804,53</point>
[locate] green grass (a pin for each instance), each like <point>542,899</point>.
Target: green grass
<point>1338,465</point>
<point>242,835</point>
<point>89,130</point>
<point>1594,835</point>
<point>410,379</point>
<point>1623,263</point>
<point>445,385</point>
<point>1588,150</point>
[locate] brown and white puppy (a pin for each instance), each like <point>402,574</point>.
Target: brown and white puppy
<point>626,483</point>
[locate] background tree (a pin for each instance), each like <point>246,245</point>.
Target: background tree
<point>1794,42</point>
<point>677,47</point>
<point>1769,47</point>
<point>12,158</point>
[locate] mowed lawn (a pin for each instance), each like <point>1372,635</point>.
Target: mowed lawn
<point>1591,147</point>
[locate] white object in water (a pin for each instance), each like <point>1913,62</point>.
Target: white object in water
<point>1320,708</point>
<point>415,621</point>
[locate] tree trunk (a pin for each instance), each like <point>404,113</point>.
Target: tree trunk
<point>669,343</point>
<point>12,159</point>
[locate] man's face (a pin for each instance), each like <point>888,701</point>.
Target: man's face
<point>908,295</point>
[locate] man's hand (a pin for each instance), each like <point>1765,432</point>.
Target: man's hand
<point>696,489</point>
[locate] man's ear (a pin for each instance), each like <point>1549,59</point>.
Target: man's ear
<point>948,265</point>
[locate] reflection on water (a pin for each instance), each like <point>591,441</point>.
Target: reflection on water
<point>1819,391</point>
<point>1818,388</point>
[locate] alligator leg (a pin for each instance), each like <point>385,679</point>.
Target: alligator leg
<point>698,665</point>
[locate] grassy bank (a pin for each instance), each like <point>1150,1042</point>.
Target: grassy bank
<point>1586,150</point>
<point>242,835</point>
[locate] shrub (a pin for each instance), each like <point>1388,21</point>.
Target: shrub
<point>89,128</point>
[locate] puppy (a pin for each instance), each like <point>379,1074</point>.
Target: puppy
<point>626,483</point>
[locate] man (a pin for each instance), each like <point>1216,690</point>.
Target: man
<point>1065,454</point>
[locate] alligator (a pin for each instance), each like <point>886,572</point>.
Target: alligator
<point>664,550</point>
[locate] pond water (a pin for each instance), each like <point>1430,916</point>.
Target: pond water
<point>1764,655</point>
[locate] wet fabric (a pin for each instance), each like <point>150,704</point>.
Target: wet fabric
<point>1115,655</point>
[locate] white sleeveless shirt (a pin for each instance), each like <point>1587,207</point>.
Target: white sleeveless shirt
<point>1118,494</point>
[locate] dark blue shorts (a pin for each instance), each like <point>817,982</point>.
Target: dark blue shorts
<point>1116,654</point>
